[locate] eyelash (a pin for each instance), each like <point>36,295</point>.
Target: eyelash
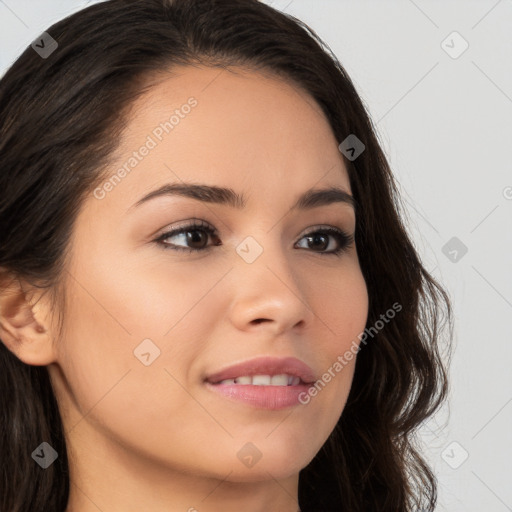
<point>344,240</point>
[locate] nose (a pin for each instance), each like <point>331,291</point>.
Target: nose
<point>269,292</point>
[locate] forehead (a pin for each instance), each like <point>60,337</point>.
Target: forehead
<point>228,127</point>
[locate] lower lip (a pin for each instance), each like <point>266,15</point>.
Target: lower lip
<point>265,397</point>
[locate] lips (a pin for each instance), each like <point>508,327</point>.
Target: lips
<point>265,366</point>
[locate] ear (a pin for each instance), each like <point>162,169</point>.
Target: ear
<point>24,328</point>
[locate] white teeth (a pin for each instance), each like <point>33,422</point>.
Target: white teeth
<point>264,380</point>
<point>279,380</point>
<point>261,380</point>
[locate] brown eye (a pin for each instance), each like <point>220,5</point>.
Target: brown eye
<point>320,239</point>
<point>195,237</point>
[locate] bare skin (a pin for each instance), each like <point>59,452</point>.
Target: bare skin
<point>154,437</point>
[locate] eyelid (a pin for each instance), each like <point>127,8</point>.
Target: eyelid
<point>192,223</point>
<point>344,238</point>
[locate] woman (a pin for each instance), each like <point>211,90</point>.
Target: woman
<point>200,239</point>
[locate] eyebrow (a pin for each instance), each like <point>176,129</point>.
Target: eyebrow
<point>226,196</point>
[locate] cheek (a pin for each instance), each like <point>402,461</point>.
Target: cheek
<point>343,310</point>
<point>111,388</point>
<point>342,307</point>
<point>116,316</point>
<point>154,296</point>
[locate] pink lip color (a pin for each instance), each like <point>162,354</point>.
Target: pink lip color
<point>265,366</point>
<point>266,397</point>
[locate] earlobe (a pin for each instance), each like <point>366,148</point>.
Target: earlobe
<point>21,329</point>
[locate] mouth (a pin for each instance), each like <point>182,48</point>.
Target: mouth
<point>265,383</point>
<point>282,379</point>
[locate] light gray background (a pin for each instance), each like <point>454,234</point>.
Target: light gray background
<point>445,124</point>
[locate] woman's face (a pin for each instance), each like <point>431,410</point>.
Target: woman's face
<point>146,323</point>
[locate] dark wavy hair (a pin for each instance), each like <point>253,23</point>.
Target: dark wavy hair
<point>61,118</point>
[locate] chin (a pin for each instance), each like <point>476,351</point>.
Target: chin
<point>263,472</point>
<point>278,464</point>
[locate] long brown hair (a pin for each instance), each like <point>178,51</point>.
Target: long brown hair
<point>60,120</point>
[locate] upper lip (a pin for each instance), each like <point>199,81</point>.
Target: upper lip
<point>265,366</point>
